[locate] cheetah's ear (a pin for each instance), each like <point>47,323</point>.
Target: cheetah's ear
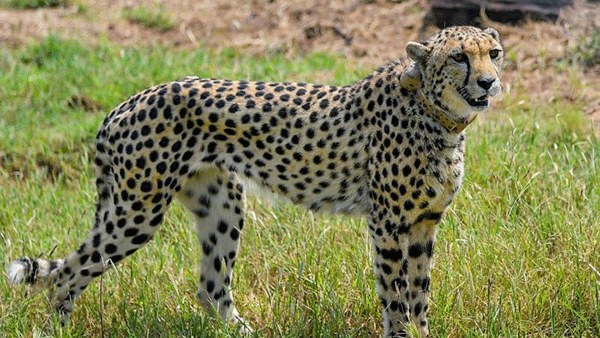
<point>418,51</point>
<point>493,33</point>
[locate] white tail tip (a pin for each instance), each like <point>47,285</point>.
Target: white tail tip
<point>16,272</point>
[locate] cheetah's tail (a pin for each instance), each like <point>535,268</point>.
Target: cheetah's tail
<point>34,271</point>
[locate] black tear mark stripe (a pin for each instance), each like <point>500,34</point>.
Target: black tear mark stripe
<point>468,63</point>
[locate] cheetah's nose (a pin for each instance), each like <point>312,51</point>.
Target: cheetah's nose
<point>486,82</point>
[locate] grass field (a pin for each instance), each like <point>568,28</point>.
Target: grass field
<point>517,254</point>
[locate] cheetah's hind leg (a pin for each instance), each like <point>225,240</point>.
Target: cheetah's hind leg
<point>216,201</point>
<point>119,230</point>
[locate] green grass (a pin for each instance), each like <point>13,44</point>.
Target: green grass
<point>587,51</point>
<point>155,16</point>
<point>515,254</point>
<point>34,4</point>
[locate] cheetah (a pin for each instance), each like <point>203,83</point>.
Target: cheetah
<point>389,147</point>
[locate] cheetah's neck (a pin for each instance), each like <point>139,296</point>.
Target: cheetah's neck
<point>454,126</point>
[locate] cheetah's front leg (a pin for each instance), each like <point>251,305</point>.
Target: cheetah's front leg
<point>391,272</point>
<point>420,252</point>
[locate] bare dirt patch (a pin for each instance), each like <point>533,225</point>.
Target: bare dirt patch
<point>353,28</point>
<point>370,30</point>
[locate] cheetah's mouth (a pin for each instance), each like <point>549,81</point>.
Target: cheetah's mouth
<point>480,102</point>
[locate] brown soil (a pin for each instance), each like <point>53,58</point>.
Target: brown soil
<point>370,30</point>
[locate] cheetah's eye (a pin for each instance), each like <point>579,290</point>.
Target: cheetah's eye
<point>460,57</point>
<point>494,53</point>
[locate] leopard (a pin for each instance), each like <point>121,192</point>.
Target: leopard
<point>389,148</point>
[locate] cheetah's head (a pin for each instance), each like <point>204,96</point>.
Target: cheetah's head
<point>460,68</point>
